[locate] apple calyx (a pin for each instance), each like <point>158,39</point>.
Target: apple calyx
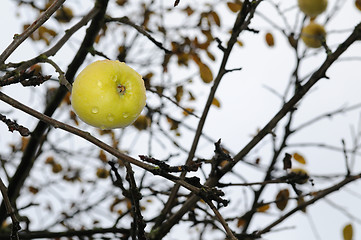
<point>121,89</point>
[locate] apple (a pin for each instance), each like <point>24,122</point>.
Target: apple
<point>312,8</point>
<point>108,94</point>
<point>313,34</point>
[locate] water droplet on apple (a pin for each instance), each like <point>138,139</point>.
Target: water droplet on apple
<point>125,115</point>
<point>115,78</point>
<point>99,83</point>
<point>95,110</point>
<point>110,117</point>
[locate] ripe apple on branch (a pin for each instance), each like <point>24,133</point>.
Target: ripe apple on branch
<point>108,94</point>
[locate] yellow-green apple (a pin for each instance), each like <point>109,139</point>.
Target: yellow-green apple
<point>312,8</point>
<point>313,34</point>
<point>108,94</point>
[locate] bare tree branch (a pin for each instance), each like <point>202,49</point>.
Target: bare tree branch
<point>354,36</point>
<point>321,194</point>
<point>16,226</point>
<point>30,152</point>
<point>18,39</point>
<point>141,30</point>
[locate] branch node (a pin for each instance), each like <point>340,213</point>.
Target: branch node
<point>14,126</point>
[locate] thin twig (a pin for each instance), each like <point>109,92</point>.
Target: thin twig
<point>176,2</point>
<point>126,20</point>
<point>69,32</point>
<point>135,197</point>
<point>241,23</point>
<point>115,152</point>
<point>174,102</point>
<point>346,157</point>
<point>14,126</point>
<point>319,196</point>
<point>288,106</point>
<point>16,226</point>
<point>221,220</point>
<point>354,36</point>
<point>62,78</point>
<point>328,115</point>
<point>70,233</point>
<point>323,145</point>
<point>344,210</point>
<point>18,39</point>
<point>53,50</point>
<point>34,145</point>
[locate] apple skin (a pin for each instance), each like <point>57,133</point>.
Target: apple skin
<point>108,94</point>
<point>312,8</point>
<point>312,35</point>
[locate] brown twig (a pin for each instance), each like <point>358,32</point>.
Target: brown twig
<point>141,30</point>
<point>243,20</point>
<point>248,216</point>
<point>193,167</point>
<point>53,50</point>
<point>136,196</point>
<point>319,196</point>
<point>31,150</point>
<point>69,32</point>
<point>230,234</point>
<point>71,233</point>
<point>328,115</point>
<point>62,79</point>
<point>288,106</point>
<point>219,157</point>
<point>138,225</point>
<point>354,36</point>
<point>18,39</point>
<point>25,77</point>
<point>198,190</point>
<point>14,126</point>
<point>346,157</point>
<point>75,131</point>
<point>176,2</point>
<point>16,226</point>
<point>174,102</point>
<point>240,24</point>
